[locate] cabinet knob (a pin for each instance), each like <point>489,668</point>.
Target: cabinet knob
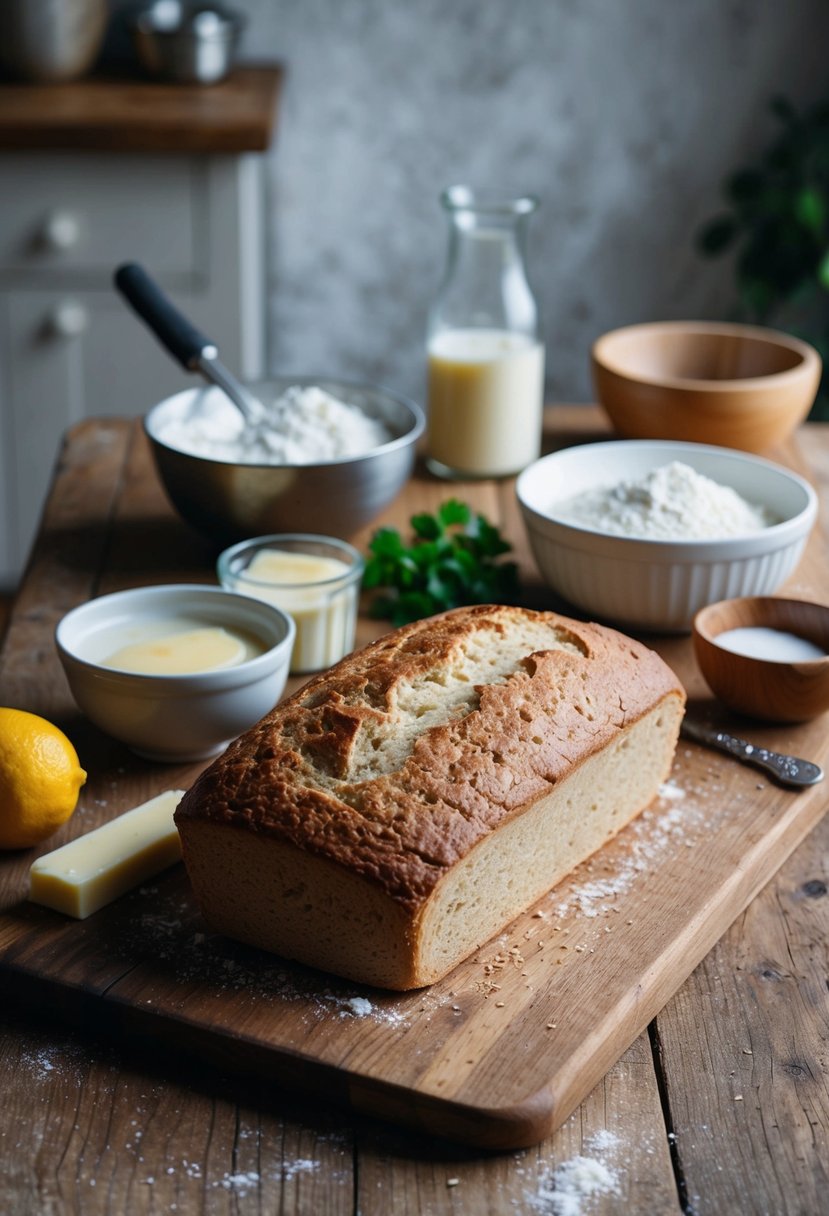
<point>69,319</point>
<point>60,231</point>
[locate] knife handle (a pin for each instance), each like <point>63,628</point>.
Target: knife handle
<point>788,770</point>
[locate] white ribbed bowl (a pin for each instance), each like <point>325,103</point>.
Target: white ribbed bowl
<point>655,584</point>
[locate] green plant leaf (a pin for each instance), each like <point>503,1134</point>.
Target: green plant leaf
<point>823,271</point>
<point>451,561</point>
<point>810,209</point>
<point>756,297</point>
<point>454,512</point>
<point>426,526</point>
<point>412,606</point>
<point>386,542</point>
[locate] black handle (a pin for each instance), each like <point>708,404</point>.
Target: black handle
<point>179,335</point>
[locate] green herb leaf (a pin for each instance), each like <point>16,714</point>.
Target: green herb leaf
<point>450,562</point>
<point>386,542</point>
<point>453,512</point>
<point>426,526</point>
<point>823,272</point>
<point>810,209</point>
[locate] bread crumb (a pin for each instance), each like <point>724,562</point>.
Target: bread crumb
<point>452,1181</point>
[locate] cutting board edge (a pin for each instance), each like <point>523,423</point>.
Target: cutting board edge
<point>520,1123</point>
<point>648,999</point>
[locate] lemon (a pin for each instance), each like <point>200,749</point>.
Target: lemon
<point>40,777</point>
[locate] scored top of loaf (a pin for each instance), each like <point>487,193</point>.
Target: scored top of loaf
<point>398,760</point>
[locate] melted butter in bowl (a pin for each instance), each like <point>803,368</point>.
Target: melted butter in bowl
<point>175,671</point>
<point>175,648</point>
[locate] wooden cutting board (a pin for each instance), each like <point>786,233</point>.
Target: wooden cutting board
<point>501,1051</point>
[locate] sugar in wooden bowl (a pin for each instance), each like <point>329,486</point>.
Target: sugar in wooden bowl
<point>766,657</point>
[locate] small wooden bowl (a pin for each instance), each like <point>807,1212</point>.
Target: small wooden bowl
<point>736,386</point>
<point>774,690</point>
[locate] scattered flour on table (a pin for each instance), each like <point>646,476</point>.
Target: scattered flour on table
<point>240,1182</point>
<point>167,929</point>
<point>64,1057</point>
<point>574,1181</point>
<point>305,425</point>
<point>359,1006</point>
<point>569,1188</point>
<point>673,502</point>
<point>678,817</point>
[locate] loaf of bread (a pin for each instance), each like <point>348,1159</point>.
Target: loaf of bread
<point>405,806</point>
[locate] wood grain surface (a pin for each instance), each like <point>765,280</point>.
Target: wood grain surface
<point>239,1145</point>
<point>141,115</point>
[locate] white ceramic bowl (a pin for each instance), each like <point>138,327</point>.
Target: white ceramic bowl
<point>180,717</point>
<point>655,584</point>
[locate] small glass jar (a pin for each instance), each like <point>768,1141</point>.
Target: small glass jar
<point>485,355</point>
<point>315,579</point>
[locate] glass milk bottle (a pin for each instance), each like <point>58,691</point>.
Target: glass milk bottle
<point>486,359</point>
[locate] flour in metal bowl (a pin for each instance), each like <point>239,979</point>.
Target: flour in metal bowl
<point>304,425</point>
<point>672,502</point>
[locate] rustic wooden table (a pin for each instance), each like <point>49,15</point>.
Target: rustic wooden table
<point>721,1107</point>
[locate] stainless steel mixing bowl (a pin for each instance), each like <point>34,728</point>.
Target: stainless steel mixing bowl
<point>228,501</point>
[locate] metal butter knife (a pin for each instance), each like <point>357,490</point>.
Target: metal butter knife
<point>788,770</point>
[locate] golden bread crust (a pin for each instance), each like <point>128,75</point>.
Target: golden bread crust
<point>304,774</point>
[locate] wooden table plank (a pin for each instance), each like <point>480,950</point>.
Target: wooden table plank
<point>454,1059</point>
<point>90,1129</point>
<point>106,1120</point>
<point>625,1104</point>
<point>65,565</point>
<point>752,1019</point>
<point>619,1125</point>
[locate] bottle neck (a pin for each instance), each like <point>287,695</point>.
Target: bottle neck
<point>485,284</point>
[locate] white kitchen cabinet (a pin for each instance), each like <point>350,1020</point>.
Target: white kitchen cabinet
<point>176,184</point>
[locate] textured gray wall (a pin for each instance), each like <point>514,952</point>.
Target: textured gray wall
<point>622,115</point>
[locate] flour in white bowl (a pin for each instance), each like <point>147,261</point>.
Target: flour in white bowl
<point>673,502</point>
<point>304,425</point>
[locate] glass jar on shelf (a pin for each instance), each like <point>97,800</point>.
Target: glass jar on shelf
<point>485,354</point>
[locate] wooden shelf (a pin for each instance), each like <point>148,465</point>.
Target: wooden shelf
<point>133,115</point>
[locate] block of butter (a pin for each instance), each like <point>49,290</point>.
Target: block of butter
<point>84,875</point>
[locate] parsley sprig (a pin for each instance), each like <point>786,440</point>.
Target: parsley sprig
<point>451,561</point>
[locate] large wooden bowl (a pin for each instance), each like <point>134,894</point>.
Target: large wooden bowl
<point>763,688</point>
<point>737,386</point>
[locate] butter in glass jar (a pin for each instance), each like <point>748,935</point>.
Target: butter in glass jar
<point>315,579</point>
